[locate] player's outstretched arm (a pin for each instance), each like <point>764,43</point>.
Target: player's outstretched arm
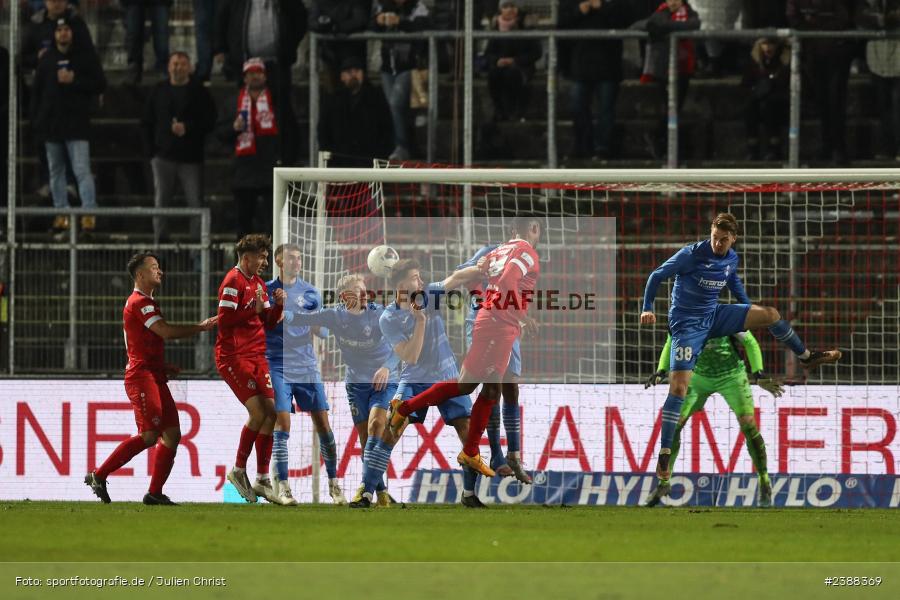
<point>323,318</point>
<point>462,276</point>
<point>679,262</point>
<point>736,286</point>
<point>167,331</point>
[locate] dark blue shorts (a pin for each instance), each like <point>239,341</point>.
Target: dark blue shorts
<point>309,397</point>
<point>362,398</point>
<point>452,409</point>
<point>690,332</point>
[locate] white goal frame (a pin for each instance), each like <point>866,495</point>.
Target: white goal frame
<point>631,180</point>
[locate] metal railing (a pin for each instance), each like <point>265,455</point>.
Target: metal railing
<point>64,298</point>
<point>552,37</point>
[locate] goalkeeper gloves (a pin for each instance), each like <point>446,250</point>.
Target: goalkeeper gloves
<point>770,384</point>
<point>658,377</point>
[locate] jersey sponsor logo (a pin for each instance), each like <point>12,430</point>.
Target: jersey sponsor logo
<point>148,309</point>
<point>711,284</point>
<point>229,291</point>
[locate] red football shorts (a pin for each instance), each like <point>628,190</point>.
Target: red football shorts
<point>154,407</point>
<point>492,343</point>
<point>247,377</point>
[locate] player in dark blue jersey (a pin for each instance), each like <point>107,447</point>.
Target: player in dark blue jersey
<point>295,374</point>
<point>372,368</point>
<point>701,271</point>
<point>509,391</point>
<point>414,328</point>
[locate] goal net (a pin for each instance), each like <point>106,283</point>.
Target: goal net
<point>819,245</point>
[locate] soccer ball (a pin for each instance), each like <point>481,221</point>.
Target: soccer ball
<point>382,260</point>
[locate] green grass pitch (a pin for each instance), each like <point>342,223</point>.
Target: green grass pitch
<point>570,546</point>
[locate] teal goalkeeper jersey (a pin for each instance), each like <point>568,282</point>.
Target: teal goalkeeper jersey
<point>720,356</point>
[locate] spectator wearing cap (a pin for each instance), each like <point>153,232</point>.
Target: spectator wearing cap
<point>250,125</point>
<point>178,115</point>
<point>510,63</point>
<point>38,35</point>
<point>398,59</point>
<point>339,17</point>
<point>137,13</point>
<point>827,68</point>
<point>595,68</point>
<point>67,80</point>
<point>355,125</point>
<point>269,30</point>
<point>883,58</point>
<point>767,79</point>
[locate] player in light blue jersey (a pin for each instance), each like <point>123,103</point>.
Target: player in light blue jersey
<point>701,271</point>
<point>372,367</point>
<point>510,392</point>
<point>295,375</point>
<point>414,328</point>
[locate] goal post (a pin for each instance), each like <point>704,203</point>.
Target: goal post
<point>821,245</point>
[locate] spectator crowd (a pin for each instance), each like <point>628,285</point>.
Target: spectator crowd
<point>257,42</point>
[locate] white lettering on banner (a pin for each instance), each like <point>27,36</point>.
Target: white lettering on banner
<point>588,489</point>
<point>503,494</point>
<point>812,494</point>
<point>430,486</point>
<point>624,487</point>
<point>52,432</point>
<point>794,495</point>
<point>745,494</point>
<point>685,496</point>
<point>895,496</point>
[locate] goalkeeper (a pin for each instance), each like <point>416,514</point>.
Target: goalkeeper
<point>720,369</point>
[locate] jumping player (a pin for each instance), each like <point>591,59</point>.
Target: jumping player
<point>512,270</point>
<point>721,370</point>
<point>701,271</point>
<point>414,328</point>
<point>145,382</point>
<point>371,365</point>
<point>295,373</point>
<point>509,389</point>
<point>244,312</point>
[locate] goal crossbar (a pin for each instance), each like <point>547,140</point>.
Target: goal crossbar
<point>592,176</point>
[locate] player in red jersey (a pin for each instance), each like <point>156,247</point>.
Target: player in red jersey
<point>512,270</point>
<point>145,382</point>
<point>244,314</point>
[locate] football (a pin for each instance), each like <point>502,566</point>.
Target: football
<point>382,260</point>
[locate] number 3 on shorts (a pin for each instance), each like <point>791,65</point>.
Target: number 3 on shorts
<point>269,379</point>
<point>683,353</point>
